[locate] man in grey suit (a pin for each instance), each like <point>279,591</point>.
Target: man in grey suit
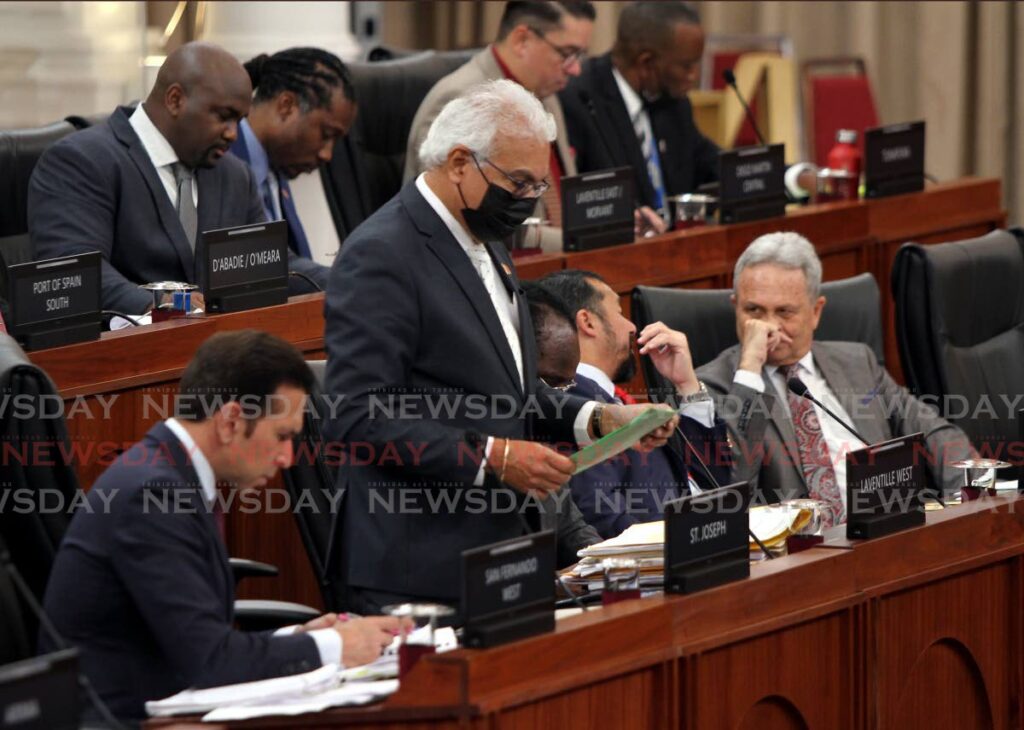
<point>785,445</point>
<point>539,46</point>
<point>141,187</point>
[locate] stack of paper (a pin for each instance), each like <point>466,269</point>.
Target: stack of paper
<point>328,686</point>
<point>773,523</point>
<point>643,542</point>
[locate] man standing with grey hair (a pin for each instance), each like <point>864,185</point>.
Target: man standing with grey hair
<point>429,340</point>
<point>788,446</point>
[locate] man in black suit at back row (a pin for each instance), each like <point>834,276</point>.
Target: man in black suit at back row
<point>628,108</point>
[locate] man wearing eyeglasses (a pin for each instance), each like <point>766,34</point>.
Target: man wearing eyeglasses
<point>540,45</point>
<point>430,343</point>
<point>635,486</point>
<point>629,107</point>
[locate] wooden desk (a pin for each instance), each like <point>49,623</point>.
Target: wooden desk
<point>142,367</point>
<point>921,629</point>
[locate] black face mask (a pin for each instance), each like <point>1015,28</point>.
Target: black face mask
<point>499,214</point>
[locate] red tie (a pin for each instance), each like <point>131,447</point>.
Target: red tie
<point>625,397</point>
<point>815,460</point>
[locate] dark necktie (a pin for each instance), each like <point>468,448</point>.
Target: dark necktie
<point>299,242</point>
<point>815,460</point>
<point>218,517</point>
<point>187,213</point>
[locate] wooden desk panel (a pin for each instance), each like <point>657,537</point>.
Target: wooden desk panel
<point>884,634</point>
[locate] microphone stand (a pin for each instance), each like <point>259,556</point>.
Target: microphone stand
<point>711,478</point>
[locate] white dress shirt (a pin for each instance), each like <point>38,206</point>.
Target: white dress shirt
<point>840,442</point>
<point>703,411</point>
<point>161,154</point>
<point>504,306</point>
<point>328,641</point>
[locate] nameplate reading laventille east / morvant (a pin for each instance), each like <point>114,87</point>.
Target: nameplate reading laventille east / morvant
<point>706,541</point>
<point>597,209</point>
<point>508,590</point>
<point>244,267</point>
<point>55,302</point>
<point>884,486</point>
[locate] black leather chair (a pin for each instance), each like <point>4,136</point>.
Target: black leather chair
<point>313,487</point>
<point>707,318</point>
<point>34,535</point>
<point>960,330</point>
<point>20,149</point>
<point>389,92</point>
<point>83,121</point>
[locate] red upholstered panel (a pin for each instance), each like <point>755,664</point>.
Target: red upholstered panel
<point>840,102</point>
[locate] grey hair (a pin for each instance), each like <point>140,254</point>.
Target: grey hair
<point>786,249</point>
<point>478,116</point>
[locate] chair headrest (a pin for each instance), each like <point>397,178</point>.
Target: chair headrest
<point>20,150</point>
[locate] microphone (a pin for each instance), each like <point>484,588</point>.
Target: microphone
<point>730,79</point>
<point>711,478</point>
<point>29,599</point>
<point>592,110</point>
<point>797,387</point>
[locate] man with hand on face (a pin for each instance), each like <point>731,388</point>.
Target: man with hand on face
<point>800,450</point>
<point>444,373</point>
<point>629,107</point>
<point>141,584</point>
<point>143,186</point>
<point>303,101</point>
<point>634,486</point>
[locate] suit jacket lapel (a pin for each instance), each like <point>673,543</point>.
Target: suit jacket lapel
<point>850,394</point>
<point>168,215</point>
<point>554,107</point>
<point>190,481</point>
<point>783,424</point>
<point>614,109</point>
<point>447,249</point>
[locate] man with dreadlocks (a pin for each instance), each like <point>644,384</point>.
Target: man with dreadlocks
<point>303,101</point>
<point>141,187</point>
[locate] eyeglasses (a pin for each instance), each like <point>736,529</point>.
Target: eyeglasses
<point>521,188</point>
<point>568,386</point>
<point>570,54</point>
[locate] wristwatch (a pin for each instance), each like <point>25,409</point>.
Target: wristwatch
<point>700,396</point>
<point>595,420</point>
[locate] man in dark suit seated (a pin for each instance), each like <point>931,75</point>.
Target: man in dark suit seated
<point>628,108</point>
<point>141,585</point>
<point>141,187</point>
<point>786,446</point>
<point>303,101</point>
<point>634,486</point>
<point>429,339</point>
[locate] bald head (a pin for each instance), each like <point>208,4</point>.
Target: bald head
<point>558,347</point>
<point>201,93</point>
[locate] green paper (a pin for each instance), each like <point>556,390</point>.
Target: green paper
<point>621,438</point>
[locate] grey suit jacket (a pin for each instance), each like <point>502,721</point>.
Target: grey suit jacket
<point>480,68</point>
<point>97,190</point>
<point>878,407</point>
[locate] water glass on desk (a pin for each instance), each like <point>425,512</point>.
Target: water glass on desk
<point>690,210</point>
<point>410,650</point>
<point>621,580</point>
